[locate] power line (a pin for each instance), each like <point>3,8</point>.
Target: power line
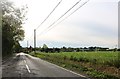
<point>70,14</point>
<point>62,16</point>
<point>73,12</point>
<point>49,14</point>
<point>64,13</point>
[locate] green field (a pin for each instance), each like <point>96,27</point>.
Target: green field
<point>95,64</point>
<point>106,58</point>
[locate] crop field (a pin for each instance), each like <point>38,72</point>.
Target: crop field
<point>105,58</point>
<point>99,64</point>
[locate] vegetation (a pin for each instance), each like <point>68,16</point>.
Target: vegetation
<point>12,32</point>
<point>46,49</point>
<point>98,65</point>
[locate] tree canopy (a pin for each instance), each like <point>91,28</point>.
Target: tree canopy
<point>12,32</point>
<point>45,46</point>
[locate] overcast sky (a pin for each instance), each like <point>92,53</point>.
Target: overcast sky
<point>95,24</point>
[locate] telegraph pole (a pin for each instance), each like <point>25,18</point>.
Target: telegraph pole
<point>27,44</point>
<point>27,49</point>
<point>34,39</point>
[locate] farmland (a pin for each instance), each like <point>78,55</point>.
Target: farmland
<point>98,64</point>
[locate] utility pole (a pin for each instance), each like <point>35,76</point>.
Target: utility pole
<point>27,44</point>
<point>34,39</point>
<point>27,49</point>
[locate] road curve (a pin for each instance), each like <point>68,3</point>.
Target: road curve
<point>25,66</point>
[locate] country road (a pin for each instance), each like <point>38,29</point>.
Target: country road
<point>23,65</point>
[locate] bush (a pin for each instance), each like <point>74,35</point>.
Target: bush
<point>94,61</point>
<point>71,58</point>
<point>80,59</point>
<point>75,66</point>
<point>75,59</point>
<point>65,57</point>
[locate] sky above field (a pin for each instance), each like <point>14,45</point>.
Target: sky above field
<point>94,24</point>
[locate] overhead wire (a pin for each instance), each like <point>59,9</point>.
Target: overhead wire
<point>61,16</point>
<point>49,14</point>
<point>67,16</point>
<point>73,12</point>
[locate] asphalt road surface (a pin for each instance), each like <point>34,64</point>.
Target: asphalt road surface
<point>23,65</point>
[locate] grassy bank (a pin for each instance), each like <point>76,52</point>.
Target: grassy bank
<point>97,65</point>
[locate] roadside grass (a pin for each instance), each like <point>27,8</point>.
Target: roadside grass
<point>97,65</point>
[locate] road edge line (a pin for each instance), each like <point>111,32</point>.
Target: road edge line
<point>67,70</point>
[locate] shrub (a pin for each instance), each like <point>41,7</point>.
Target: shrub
<point>75,59</point>
<point>80,59</point>
<point>71,58</point>
<point>65,57</point>
<point>94,61</point>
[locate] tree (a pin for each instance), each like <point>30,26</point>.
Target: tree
<point>63,49</point>
<point>45,46</point>
<point>12,32</point>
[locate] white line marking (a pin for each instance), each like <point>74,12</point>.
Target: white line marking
<point>27,68</point>
<point>25,62</point>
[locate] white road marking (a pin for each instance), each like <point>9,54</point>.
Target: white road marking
<point>25,62</point>
<point>27,66</point>
<point>66,69</point>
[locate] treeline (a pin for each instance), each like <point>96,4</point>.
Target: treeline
<point>67,49</point>
<point>12,32</point>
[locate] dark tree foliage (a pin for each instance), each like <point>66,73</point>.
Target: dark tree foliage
<point>12,32</point>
